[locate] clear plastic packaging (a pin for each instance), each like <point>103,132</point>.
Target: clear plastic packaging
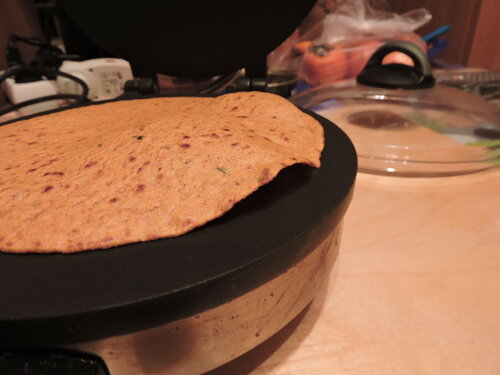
<point>340,44</point>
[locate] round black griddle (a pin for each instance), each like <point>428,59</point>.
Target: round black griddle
<point>55,299</point>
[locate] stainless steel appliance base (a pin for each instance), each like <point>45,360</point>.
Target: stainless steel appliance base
<point>205,341</point>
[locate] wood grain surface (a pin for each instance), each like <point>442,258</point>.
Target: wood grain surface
<point>461,15</point>
<point>415,289</point>
<point>484,51</point>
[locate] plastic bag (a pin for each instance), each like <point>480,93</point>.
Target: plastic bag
<point>358,19</point>
<point>338,46</point>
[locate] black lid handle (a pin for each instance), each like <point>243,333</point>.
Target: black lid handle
<point>402,76</point>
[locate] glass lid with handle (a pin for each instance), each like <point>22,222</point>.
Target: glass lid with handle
<point>402,123</point>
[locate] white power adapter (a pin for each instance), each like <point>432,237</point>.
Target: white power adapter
<point>20,92</point>
<point>105,77</point>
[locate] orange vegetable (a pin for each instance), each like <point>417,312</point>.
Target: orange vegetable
<point>359,53</point>
<point>324,64</point>
<point>301,47</point>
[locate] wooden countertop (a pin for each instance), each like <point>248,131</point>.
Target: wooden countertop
<point>415,288</point>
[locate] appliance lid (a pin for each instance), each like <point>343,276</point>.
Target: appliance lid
<point>188,38</point>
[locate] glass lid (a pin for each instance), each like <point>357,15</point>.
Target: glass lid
<point>436,130</point>
<point>439,131</point>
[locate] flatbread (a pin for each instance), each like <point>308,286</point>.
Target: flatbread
<point>139,170</point>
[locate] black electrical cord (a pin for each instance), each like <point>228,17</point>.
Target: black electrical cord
<point>85,88</point>
<point>33,41</point>
<point>79,99</point>
<point>9,72</point>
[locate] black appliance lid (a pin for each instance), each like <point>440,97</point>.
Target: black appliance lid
<point>188,38</point>
<point>52,299</point>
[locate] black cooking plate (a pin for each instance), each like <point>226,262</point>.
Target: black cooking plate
<point>55,299</point>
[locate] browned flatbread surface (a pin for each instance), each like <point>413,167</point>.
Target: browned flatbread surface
<point>138,170</point>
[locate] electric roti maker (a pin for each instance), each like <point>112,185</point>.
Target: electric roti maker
<point>188,304</point>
